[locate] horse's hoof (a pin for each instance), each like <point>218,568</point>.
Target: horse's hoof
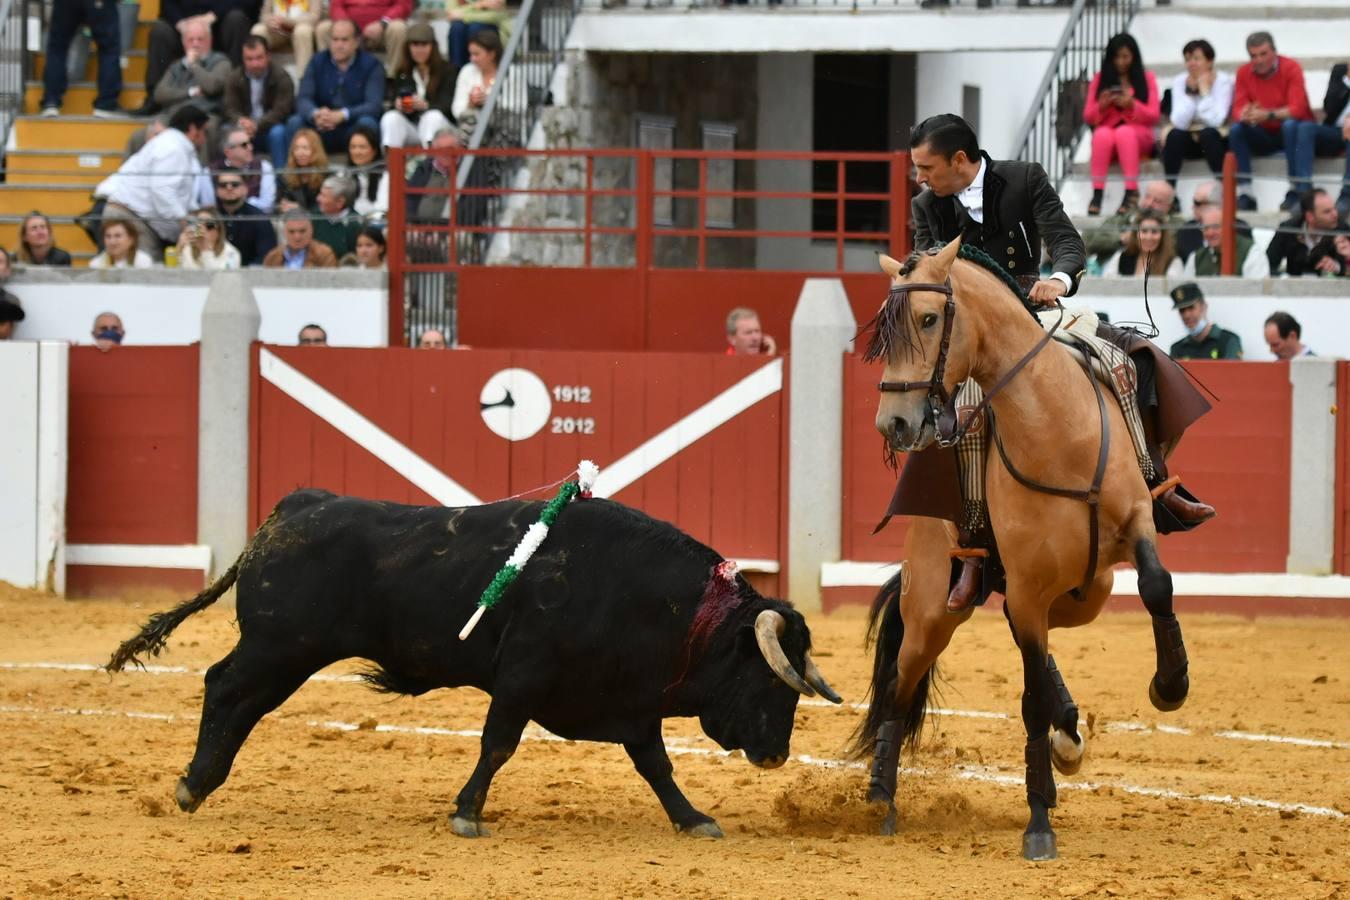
<point>1039,846</point>
<point>707,829</point>
<point>888,824</point>
<point>1066,753</point>
<point>1172,698</point>
<point>186,802</point>
<point>468,828</point>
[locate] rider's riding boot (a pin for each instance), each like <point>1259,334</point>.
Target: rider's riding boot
<point>1188,512</point>
<point>968,584</point>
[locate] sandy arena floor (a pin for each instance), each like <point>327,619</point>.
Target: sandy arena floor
<point>336,794</point>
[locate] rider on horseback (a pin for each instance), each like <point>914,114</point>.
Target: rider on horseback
<point>1005,208</point>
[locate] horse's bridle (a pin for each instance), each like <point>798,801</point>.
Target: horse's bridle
<point>947,429</point>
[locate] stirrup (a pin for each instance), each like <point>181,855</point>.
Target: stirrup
<point>1165,487</point>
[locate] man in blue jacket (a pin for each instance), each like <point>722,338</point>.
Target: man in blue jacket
<point>342,87</point>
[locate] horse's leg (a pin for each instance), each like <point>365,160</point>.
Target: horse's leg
<point>1170,683</point>
<point>1030,624</point>
<point>1067,744</point>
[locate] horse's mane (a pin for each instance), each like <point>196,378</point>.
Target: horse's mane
<point>893,326</point>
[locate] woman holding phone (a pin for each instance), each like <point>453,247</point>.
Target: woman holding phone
<point>1123,105</point>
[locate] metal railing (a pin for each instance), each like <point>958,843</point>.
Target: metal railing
<point>1053,127</point>
<point>13,54</point>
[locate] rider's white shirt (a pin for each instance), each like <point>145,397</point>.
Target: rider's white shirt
<point>972,198</point>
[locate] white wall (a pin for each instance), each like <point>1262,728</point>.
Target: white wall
<point>1007,81</point>
<point>165,307</point>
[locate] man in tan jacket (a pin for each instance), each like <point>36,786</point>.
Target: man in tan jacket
<point>300,251</point>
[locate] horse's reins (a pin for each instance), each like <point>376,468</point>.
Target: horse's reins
<point>939,401</point>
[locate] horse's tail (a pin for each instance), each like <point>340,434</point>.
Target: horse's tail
<point>150,640</point>
<point>886,632</point>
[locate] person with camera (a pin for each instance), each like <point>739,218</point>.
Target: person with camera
<point>1123,105</point>
<point>421,91</point>
<point>202,244</point>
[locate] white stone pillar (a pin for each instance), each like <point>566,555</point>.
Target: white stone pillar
<point>822,332</point>
<point>230,322</point>
<point>1312,466</point>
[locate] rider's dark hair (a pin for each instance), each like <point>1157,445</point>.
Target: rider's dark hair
<point>1111,78</point>
<point>1285,324</point>
<point>945,134</point>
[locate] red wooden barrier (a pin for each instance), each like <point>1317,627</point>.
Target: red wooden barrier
<point>724,488</point>
<point>133,460</point>
<point>1341,554</point>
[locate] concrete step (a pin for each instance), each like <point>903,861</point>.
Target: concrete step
<point>1273,167</point>
<point>79,98</point>
<point>60,166</point>
<point>133,67</point>
<point>51,199</point>
<point>37,133</point>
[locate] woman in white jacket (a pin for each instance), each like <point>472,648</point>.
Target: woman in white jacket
<point>120,248</point>
<point>1150,247</point>
<point>475,82</point>
<point>1202,100</point>
<point>203,246</point>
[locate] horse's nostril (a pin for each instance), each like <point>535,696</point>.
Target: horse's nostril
<point>898,426</point>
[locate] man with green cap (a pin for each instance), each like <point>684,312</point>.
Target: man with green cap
<point>1204,339</point>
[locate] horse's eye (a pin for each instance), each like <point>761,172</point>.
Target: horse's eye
<point>930,320</point>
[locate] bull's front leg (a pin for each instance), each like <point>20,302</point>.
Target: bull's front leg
<point>649,757</point>
<point>501,736</point>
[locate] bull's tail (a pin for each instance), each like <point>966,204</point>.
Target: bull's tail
<point>886,631</point>
<point>150,640</point>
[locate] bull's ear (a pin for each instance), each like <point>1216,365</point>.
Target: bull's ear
<point>946,256</point>
<point>888,265</point>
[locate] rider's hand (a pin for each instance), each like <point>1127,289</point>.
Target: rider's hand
<point>1047,291</point>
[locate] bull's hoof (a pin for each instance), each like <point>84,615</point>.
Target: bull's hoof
<point>1065,752</point>
<point>468,828</point>
<point>708,829</point>
<point>1039,846</point>
<point>1169,697</point>
<point>186,802</point>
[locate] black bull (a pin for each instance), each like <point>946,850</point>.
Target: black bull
<point>616,623</point>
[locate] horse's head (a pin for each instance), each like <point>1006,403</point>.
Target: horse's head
<point>908,337</point>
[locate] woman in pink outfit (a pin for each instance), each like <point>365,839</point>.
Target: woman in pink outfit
<point>1122,108</point>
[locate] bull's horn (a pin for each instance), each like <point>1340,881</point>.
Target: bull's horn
<point>817,681</point>
<point>769,626</point>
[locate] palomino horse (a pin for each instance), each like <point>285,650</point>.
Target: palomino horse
<point>946,320</point>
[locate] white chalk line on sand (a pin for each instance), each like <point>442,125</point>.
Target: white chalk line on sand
<point>1114,727</point>
<point>680,746</point>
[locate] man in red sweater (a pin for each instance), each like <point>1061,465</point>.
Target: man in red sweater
<point>1269,102</point>
<point>382,24</point>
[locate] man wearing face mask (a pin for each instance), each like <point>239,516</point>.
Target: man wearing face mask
<point>108,331</point>
<point>1204,339</point>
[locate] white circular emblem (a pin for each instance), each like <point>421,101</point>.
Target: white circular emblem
<point>515,404</point>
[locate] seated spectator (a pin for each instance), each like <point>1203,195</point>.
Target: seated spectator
<point>247,228</point>
<point>1122,107</point>
<point>431,339</point>
<point>434,171</point>
<point>1331,138</point>
<point>474,82</point>
<point>312,336</point>
<point>37,244</point>
<point>1205,262</point>
<point>421,93</point>
<point>336,225</point>
<point>101,21</point>
<point>202,244</point>
<point>1295,239</point>
<point>229,21</point>
<point>1269,101</point>
<point>107,331</point>
<point>11,314</point>
<point>370,250</point>
<point>237,154</point>
<point>153,190</point>
<point>382,24</point>
<point>300,251</point>
<point>1116,231</point>
<point>1332,256</point>
<point>289,23</point>
<point>1151,247</point>
<point>118,240</point>
<point>198,77</point>
<point>1201,101</point>
<point>1204,339</point>
<point>469,17</point>
<point>745,337</point>
<point>260,97</point>
<point>306,168</point>
<point>1190,238</point>
<point>1284,336</point>
<point>368,170</point>
<point>343,87</point>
